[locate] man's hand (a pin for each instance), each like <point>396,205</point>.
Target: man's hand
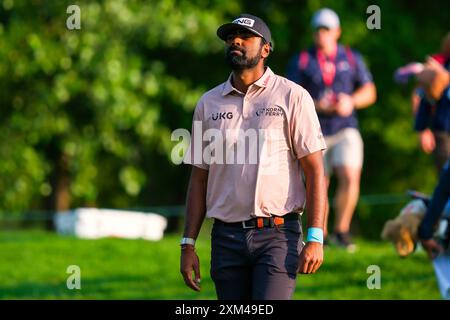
<point>311,258</point>
<point>432,248</point>
<point>427,141</point>
<point>344,105</point>
<point>434,65</point>
<point>325,105</point>
<point>189,261</point>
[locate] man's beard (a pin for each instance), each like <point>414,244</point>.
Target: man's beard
<point>241,62</point>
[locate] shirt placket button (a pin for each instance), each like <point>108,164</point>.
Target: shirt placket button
<point>245,108</point>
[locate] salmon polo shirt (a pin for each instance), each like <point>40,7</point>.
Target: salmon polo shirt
<point>251,145</point>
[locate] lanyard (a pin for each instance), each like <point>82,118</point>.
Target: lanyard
<point>327,67</point>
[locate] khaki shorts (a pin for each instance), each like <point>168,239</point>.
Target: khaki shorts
<point>344,149</point>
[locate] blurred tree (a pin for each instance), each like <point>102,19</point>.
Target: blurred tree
<point>87,114</point>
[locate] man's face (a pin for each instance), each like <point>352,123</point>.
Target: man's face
<point>325,37</point>
<point>243,49</point>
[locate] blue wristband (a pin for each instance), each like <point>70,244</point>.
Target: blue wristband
<point>315,235</point>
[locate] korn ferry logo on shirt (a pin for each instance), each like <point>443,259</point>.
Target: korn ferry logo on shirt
<point>245,22</point>
<point>274,111</point>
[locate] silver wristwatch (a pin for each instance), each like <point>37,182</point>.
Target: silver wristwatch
<point>187,241</point>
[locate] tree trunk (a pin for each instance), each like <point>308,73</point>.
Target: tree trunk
<point>59,199</point>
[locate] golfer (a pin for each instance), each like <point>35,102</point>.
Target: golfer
<point>255,199</point>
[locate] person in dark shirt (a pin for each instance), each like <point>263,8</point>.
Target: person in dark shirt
<point>340,83</point>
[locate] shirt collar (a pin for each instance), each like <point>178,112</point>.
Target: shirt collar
<point>261,82</point>
<point>228,87</point>
<point>264,80</point>
<point>332,56</point>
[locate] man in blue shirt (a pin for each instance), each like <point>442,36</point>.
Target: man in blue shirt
<point>339,82</point>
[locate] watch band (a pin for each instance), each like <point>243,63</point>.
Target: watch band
<point>187,241</point>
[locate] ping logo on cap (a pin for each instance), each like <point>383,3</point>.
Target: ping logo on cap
<point>245,22</point>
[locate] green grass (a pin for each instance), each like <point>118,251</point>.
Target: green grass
<point>33,265</point>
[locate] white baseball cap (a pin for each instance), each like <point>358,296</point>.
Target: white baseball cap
<point>325,18</point>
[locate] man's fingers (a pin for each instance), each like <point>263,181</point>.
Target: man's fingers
<point>317,265</point>
<point>187,276</point>
<point>301,264</point>
<point>305,264</point>
<point>305,267</point>
<point>190,263</point>
<point>437,250</point>
<point>432,248</point>
<point>310,259</point>
<point>313,265</point>
<point>197,274</point>
<point>309,265</point>
<point>194,285</point>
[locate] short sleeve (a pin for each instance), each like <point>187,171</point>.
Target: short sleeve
<point>306,133</point>
<point>194,153</point>
<point>362,73</point>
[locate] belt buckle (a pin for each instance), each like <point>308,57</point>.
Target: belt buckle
<point>244,226</point>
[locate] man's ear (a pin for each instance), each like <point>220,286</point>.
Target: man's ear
<point>265,50</point>
<point>338,33</point>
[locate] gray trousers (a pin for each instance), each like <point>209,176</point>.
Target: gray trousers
<point>258,264</point>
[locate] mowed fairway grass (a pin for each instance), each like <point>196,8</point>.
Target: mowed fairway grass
<point>33,265</point>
